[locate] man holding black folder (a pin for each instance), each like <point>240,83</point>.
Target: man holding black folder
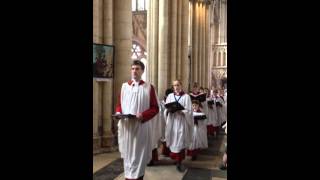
<point>137,98</point>
<point>179,127</point>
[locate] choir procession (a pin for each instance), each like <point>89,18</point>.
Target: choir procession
<point>180,122</point>
<point>160,89</point>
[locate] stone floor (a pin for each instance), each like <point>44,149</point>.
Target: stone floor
<point>109,166</point>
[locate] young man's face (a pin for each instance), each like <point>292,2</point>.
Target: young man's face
<point>176,86</point>
<point>136,72</point>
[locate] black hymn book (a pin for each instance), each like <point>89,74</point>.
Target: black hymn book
<point>174,107</point>
<point>218,104</point>
<point>199,116</point>
<point>200,98</point>
<point>211,102</point>
<point>122,116</point>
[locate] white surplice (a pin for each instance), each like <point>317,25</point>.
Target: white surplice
<point>199,136</point>
<point>134,137</point>
<point>179,126</point>
<point>212,117</point>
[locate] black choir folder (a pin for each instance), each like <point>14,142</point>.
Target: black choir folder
<point>174,107</point>
<point>218,104</point>
<point>122,116</point>
<point>211,102</point>
<point>200,98</point>
<point>199,116</point>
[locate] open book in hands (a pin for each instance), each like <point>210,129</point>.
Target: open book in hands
<point>201,97</point>
<point>174,107</point>
<point>199,116</point>
<point>210,102</point>
<point>122,116</point>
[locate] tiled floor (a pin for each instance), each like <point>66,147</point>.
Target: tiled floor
<point>205,167</point>
<point>101,160</point>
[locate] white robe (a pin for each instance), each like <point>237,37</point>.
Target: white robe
<point>212,117</point>
<point>221,111</point>
<point>179,128</point>
<point>162,120</point>
<point>199,136</point>
<point>155,125</point>
<point>134,137</point>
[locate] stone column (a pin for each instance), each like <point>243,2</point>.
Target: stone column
<point>210,52</point>
<point>203,47</point>
<point>173,39</point>
<point>163,69</point>
<point>107,87</point>
<point>168,48</point>
<point>207,37</point>
<point>97,38</point>
<point>184,63</point>
<point>195,26</point>
<point>153,42</point>
<point>200,45</point>
<point>123,43</point>
<point>179,43</point>
<point>190,43</point>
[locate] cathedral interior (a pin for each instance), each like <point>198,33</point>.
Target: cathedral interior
<point>175,39</point>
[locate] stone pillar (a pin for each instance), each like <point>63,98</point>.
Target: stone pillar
<point>152,41</point>
<point>203,44</point>
<point>155,44</point>
<point>200,25</point>
<point>190,43</point>
<point>168,49</point>
<point>173,39</point>
<point>210,52</point>
<point>107,87</point>
<point>179,42</point>
<point>123,43</point>
<point>184,63</point>
<point>200,57</point>
<point>163,69</point>
<point>219,18</point>
<point>199,41</point>
<point>207,37</point>
<point>195,26</point>
<point>97,38</point>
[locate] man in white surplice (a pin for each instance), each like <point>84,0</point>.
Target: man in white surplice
<point>134,135</point>
<point>179,125</point>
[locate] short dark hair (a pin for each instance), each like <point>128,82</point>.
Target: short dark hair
<point>196,102</point>
<point>139,63</point>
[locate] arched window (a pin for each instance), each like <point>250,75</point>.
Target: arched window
<point>138,53</point>
<point>139,5</point>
